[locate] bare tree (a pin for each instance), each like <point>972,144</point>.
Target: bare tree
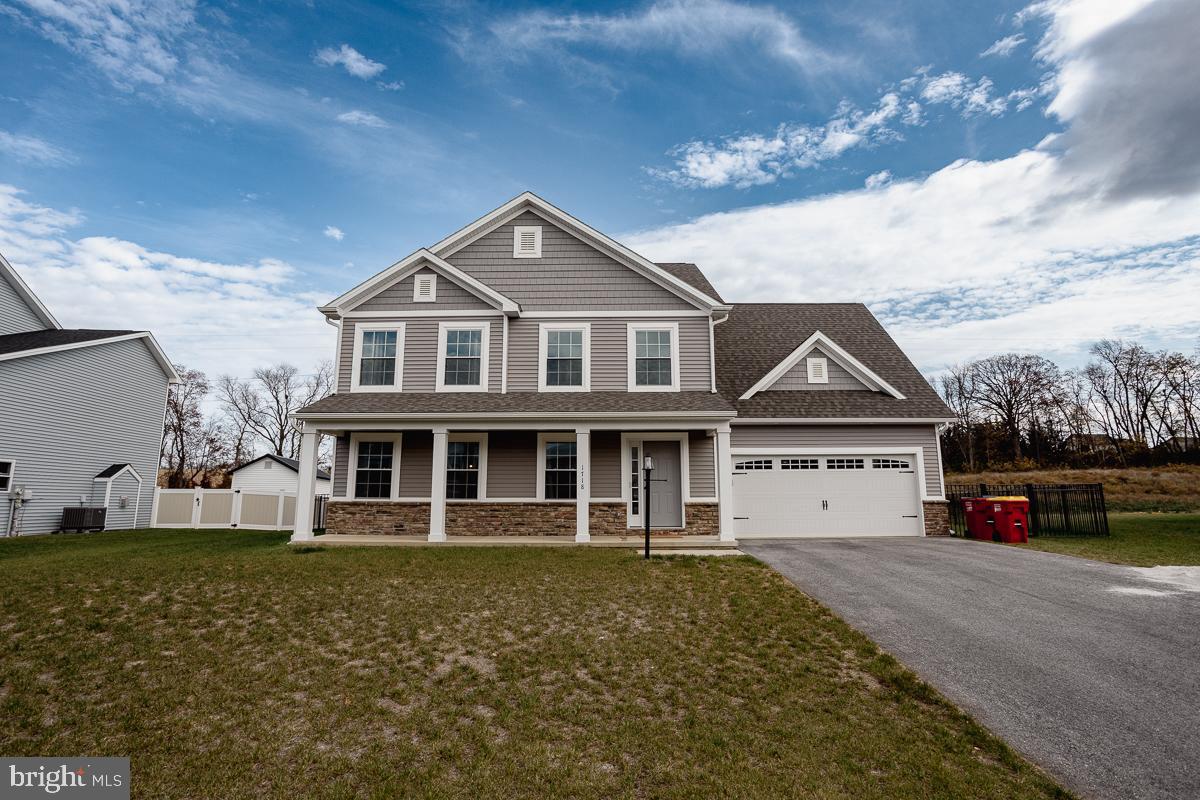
<point>262,406</point>
<point>193,449</point>
<point>1010,388</point>
<point>957,387</point>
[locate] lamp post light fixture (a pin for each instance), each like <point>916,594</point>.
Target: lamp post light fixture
<point>647,468</point>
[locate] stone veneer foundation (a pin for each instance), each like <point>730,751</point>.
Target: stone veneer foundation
<point>510,519</point>
<point>378,518</point>
<point>937,517</point>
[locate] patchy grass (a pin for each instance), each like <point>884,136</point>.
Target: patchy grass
<point>1174,488</point>
<point>228,665</point>
<point>1143,540</point>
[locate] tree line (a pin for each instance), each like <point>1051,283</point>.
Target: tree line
<point>211,428</point>
<point>1129,405</point>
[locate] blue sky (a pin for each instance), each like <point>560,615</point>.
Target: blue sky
<point>213,171</point>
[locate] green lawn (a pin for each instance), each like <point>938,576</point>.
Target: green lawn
<point>228,665</point>
<point>1144,540</point>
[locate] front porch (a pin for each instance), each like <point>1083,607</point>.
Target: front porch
<point>517,483</point>
<point>684,545</point>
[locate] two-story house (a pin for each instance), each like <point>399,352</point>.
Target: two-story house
<point>510,380</point>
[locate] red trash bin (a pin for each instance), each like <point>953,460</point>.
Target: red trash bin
<point>1009,518</point>
<point>975,510</point>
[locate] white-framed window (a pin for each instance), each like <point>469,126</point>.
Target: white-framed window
<point>754,465</point>
<point>799,463</point>
<point>463,356</point>
<point>558,467</point>
<point>425,287</point>
<point>8,468</point>
<point>653,353</point>
<point>818,369</point>
<point>564,357</point>
<point>378,357</point>
<point>527,241</point>
<point>466,466</point>
<point>889,463</point>
<point>844,463</point>
<point>636,486</point>
<point>374,466</point>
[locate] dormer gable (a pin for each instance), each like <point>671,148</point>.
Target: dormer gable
<point>820,364</point>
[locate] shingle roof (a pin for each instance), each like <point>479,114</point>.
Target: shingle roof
<point>108,472</point>
<point>290,463</point>
<point>692,276</point>
<point>519,403</point>
<point>34,340</point>
<point>757,336</point>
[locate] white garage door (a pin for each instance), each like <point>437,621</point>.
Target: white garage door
<point>827,495</point>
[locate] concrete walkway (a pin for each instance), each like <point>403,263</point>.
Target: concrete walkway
<point>1089,669</point>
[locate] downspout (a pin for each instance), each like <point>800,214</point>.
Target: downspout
<point>712,350</point>
<point>337,353</point>
<point>504,360</point>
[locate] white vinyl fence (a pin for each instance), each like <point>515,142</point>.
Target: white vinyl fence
<point>227,508</point>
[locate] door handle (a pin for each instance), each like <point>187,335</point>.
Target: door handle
<point>824,505</point>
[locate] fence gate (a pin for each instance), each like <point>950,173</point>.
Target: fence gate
<point>1055,509</point>
<point>230,508</point>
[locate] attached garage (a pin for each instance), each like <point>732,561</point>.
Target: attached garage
<point>826,494</point>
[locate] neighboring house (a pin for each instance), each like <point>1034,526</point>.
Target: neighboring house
<point>510,379</point>
<point>81,416</point>
<point>272,473</point>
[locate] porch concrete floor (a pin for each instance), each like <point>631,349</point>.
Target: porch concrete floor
<point>657,543</point>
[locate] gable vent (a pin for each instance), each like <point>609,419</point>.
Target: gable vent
<point>527,241</point>
<point>818,370</point>
<point>425,289</point>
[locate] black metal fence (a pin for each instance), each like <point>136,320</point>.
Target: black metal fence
<point>1055,509</point>
<point>320,505</point>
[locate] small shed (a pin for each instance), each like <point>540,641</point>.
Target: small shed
<point>272,473</point>
<point>118,488</point>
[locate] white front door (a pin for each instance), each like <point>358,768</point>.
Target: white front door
<point>826,495</point>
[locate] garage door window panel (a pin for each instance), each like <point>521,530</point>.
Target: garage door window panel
<point>845,463</point>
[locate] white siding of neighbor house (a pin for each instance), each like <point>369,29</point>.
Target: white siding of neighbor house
<point>571,274</point>
<point>259,477</point>
<point>15,315</point>
<point>796,378</point>
<point>66,416</point>
<point>835,436</point>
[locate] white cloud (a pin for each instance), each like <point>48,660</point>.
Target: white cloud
<point>361,118</point>
<point>220,318</point>
<point>1005,46</point>
<point>351,60</point>
<point>390,86</point>
<point>31,150</point>
<point>1045,251</point>
<point>958,91</point>
<point>878,180</point>
<point>337,234</point>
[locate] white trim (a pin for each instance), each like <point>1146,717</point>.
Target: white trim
<point>817,369</point>
<point>356,365</point>
<point>529,201</point>
<point>418,277</point>
<point>712,355</point>
<point>628,441</point>
<point>543,348</point>
<point>409,265</point>
<point>397,440</point>
<point>840,420</point>
<point>544,439</point>
<point>916,451</point>
<point>485,355</point>
<point>521,230</point>
<point>472,312</point>
<point>631,330</point>
<point>116,474</point>
<point>31,300</point>
<point>12,473</point>
<point>155,350</point>
<point>618,314</point>
<point>482,438</point>
<point>640,420</point>
<point>828,346</point>
<point>337,353</point>
<point>504,357</point>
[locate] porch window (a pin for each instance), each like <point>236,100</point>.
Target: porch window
<point>462,470</point>
<point>654,357</point>
<point>463,363</point>
<point>378,357</point>
<point>563,353</point>
<point>560,474</point>
<point>6,475</point>
<point>373,469</point>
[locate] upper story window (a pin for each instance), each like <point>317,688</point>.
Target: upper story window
<point>378,357</point>
<point>654,358</point>
<point>425,288</point>
<point>527,241</point>
<point>373,469</point>
<point>564,355</point>
<point>818,369</point>
<point>463,362</point>
<point>466,460</point>
<point>7,468</point>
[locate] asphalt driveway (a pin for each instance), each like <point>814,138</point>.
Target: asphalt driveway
<point>1088,669</point>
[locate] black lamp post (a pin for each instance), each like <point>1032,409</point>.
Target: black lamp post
<point>647,468</point>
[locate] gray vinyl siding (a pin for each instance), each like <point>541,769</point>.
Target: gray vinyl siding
<point>416,464</point>
<point>421,351</point>
<point>608,471</point>
<point>15,315</point>
<point>570,275</point>
<point>796,378</point>
<point>610,345</point>
<point>834,436</point>
<point>399,297</point>
<point>341,465</point>
<point>702,473</point>
<point>66,416</point>
<point>512,464</point>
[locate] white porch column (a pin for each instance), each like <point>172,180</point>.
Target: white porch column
<point>725,483</point>
<point>437,490</point>
<point>583,491</point>
<point>306,489</point>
